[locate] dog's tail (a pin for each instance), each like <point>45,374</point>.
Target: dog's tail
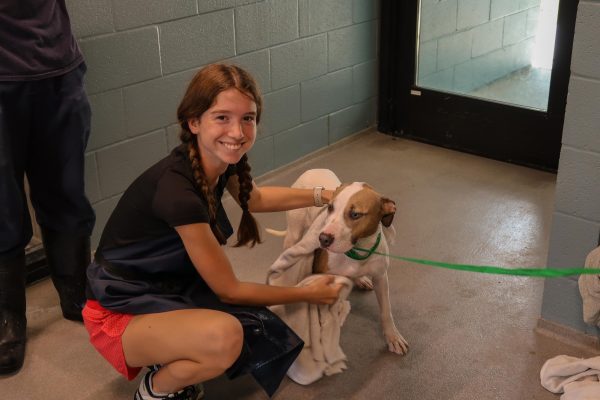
<point>276,232</point>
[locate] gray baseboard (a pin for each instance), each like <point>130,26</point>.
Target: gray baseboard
<point>568,335</point>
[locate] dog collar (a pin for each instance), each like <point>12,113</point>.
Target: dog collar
<point>355,256</point>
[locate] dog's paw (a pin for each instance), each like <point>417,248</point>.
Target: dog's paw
<point>396,342</point>
<point>363,282</point>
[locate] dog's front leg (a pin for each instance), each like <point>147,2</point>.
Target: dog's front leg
<point>396,343</point>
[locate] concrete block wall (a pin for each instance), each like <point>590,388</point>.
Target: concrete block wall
<point>315,61</point>
<point>467,44</point>
<point>576,221</point>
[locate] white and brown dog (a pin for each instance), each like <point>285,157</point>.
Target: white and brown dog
<point>357,217</point>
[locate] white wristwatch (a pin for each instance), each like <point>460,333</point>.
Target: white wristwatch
<point>317,196</point>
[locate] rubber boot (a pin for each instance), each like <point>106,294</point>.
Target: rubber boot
<point>13,323</point>
<point>68,257</point>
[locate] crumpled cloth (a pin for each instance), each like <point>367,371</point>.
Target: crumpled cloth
<point>577,378</point>
<point>319,326</point>
<point>589,288</point>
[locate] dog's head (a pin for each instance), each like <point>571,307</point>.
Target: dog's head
<point>355,212</point>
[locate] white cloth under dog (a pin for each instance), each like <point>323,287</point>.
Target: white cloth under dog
<point>318,325</point>
<point>578,378</point>
<point>589,288</point>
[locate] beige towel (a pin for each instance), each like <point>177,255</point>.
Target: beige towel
<point>589,288</point>
<point>578,378</point>
<point>318,325</point>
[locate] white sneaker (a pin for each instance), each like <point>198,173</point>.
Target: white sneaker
<point>144,392</point>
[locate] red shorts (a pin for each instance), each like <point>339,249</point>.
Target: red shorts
<point>106,328</point>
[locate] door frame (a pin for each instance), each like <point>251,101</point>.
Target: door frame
<point>512,134</point>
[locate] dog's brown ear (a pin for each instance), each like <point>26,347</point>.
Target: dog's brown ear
<point>388,209</point>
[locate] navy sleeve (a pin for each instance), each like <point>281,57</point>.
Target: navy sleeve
<point>177,202</point>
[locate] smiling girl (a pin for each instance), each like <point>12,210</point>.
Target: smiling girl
<point>162,292</point>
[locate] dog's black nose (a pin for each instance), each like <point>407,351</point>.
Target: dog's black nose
<point>325,239</point>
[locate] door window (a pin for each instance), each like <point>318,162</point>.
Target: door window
<point>496,50</point>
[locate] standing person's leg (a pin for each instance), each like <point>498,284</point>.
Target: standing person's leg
<point>13,323</point>
<point>15,226</point>
<point>55,170</point>
<point>192,345</point>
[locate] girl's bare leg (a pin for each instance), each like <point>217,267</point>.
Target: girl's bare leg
<point>192,345</point>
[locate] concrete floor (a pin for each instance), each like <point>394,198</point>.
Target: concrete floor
<point>471,335</point>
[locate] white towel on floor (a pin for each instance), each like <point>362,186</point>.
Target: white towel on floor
<point>578,378</point>
<point>318,325</point>
<point>589,288</point>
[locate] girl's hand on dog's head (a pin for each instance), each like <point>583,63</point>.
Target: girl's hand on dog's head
<point>323,290</point>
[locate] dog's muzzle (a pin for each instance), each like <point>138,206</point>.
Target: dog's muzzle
<point>325,239</point>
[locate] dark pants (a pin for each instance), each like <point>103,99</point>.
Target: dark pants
<point>44,128</point>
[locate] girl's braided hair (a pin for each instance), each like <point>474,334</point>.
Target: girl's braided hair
<point>199,97</point>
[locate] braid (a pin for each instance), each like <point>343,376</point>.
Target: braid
<point>248,230</point>
<point>200,179</point>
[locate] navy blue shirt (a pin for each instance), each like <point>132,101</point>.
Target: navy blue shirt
<point>163,197</point>
<point>141,264</point>
<point>36,41</point>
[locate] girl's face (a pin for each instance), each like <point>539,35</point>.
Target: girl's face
<point>226,131</point>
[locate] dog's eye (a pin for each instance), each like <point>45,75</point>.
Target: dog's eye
<point>330,207</point>
<point>355,215</point>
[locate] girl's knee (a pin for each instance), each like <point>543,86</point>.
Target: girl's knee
<point>227,339</point>
<point>233,336</point>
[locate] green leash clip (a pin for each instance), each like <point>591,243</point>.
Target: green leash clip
<point>352,253</point>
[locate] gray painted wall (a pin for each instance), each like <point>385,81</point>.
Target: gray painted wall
<point>467,44</point>
<point>315,61</point>
<point>576,222</point>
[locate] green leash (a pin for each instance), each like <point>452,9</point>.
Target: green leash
<point>533,272</point>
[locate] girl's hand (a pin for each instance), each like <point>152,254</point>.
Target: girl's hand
<point>327,196</point>
<point>323,290</point>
